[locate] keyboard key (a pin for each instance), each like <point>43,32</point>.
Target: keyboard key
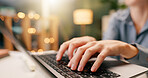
<point>61,67</point>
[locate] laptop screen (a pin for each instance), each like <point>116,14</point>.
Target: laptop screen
<point>24,31</point>
<point>11,37</point>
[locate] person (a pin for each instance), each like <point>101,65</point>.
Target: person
<point>127,37</point>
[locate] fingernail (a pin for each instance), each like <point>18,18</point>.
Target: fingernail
<point>80,68</point>
<point>70,57</point>
<point>57,58</point>
<point>72,67</point>
<point>68,64</point>
<point>93,69</point>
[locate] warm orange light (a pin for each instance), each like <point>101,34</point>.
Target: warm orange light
<point>47,40</point>
<point>51,40</point>
<point>40,50</point>
<point>21,15</point>
<point>46,8</point>
<point>36,16</point>
<point>31,30</point>
<point>32,51</point>
<point>31,15</point>
<point>83,16</point>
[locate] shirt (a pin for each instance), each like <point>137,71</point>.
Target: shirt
<point>121,27</point>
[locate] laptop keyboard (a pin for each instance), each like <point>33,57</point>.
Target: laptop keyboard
<point>61,67</point>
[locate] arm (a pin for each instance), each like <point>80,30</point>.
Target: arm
<point>142,57</point>
<point>113,34</point>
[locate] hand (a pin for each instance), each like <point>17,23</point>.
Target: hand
<point>105,48</point>
<point>72,44</point>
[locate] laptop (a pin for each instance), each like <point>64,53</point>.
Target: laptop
<point>47,63</point>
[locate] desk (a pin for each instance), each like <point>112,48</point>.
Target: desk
<point>13,66</point>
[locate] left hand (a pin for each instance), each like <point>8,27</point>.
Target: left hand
<point>105,48</point>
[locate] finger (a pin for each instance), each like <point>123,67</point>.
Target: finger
<point>89,52</point>
<point>99,60</point>
<point>73,46</point>
<point>62,50</point>
<point>77,57</point>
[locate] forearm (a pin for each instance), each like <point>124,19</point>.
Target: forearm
<point>129,51</point>
<point>141,58</point>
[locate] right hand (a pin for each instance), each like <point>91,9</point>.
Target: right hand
<point>71,45</point>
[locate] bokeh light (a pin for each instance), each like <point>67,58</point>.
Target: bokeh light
<point>31,30</point>
<point>21,15</point>
<point>47,40</point>
<point>31,15</point>
<point>51,40</point>
<point>36,16</point>
<point>40,50</point>
<point>32,50</point>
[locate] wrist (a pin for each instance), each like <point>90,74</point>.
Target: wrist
<point>130,51</point>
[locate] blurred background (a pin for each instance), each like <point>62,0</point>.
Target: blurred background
<point>42,25</point>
